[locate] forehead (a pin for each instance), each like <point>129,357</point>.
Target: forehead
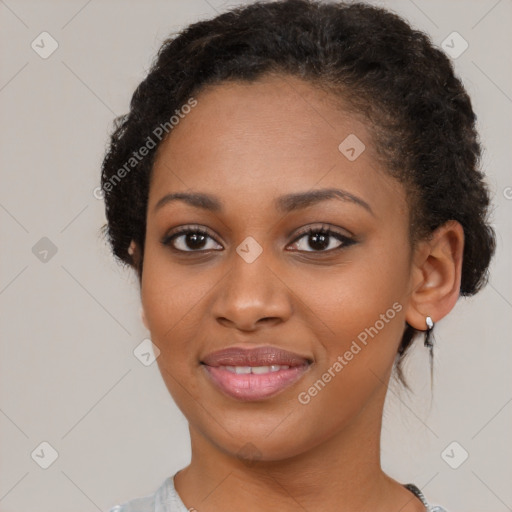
<point>269,136</point>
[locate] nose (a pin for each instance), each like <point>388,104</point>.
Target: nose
<point>251,296</point>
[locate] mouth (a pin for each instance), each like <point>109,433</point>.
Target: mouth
<point>254,374</point>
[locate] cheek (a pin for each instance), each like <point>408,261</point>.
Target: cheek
<point>174,298</point>
<point>166,289</point>
<point>364,315</point>
<point>165,297</point>
<point>353,297</point>
<point>170,297</point>
<point>359,319</point>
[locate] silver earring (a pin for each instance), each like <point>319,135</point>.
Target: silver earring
<point>430,325</point>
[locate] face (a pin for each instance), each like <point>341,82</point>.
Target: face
<point>247,273</point>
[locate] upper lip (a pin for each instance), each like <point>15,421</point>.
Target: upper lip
<point>260,356</point>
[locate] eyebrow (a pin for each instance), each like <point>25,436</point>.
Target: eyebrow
<point>285,204</point>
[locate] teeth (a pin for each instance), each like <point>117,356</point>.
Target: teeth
<point>244,370</point>
<point>264,369</point>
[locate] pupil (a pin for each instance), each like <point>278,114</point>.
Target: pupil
<point>320,241</point>
<point>195,240</point>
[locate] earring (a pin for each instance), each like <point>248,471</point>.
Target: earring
<point>430,325</point>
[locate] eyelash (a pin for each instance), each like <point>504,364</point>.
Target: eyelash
<point>323,230</point>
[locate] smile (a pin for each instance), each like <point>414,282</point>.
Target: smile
<point>253,383</point>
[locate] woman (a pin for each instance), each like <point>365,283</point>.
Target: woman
<point>297,188</point>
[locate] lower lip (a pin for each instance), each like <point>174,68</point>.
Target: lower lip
<point>248,387</point>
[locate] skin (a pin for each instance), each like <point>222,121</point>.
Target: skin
<point>247,144</point>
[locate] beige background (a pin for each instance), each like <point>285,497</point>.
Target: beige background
<point>69,325</point>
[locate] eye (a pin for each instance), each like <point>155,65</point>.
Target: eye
<point>189,239</point>
<point>195,239</point>
<point>322,239</point>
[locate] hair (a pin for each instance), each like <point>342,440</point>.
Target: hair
<point>418,112</point>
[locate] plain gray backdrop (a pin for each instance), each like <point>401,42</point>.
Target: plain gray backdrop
<point>70,316</point>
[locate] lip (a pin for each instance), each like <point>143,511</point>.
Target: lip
<point>249,386</point>
<point>259,356</point>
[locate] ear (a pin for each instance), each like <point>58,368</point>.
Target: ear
<point>436,275</point>
<point>135,253</point>
<point>144,319</point>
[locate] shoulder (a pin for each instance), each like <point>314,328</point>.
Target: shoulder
<point>429,507</point>
<point>164,499</point>
<point>144,504</point>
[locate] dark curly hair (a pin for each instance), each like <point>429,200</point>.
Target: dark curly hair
<point>419,114</point>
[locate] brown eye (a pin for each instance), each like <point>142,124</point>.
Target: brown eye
<point>189,240</point>
<point>322,240</point>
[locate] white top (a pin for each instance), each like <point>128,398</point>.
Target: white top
<point>167,499</point>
